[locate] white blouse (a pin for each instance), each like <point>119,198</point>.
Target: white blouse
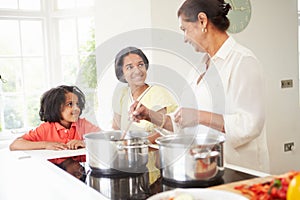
<point>233,86</point>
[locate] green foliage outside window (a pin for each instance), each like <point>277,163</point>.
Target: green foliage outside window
<point>88,64</point>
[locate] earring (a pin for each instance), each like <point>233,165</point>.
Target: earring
<point>204,30</point>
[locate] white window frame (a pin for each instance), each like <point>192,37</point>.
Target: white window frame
<point>52,65</point>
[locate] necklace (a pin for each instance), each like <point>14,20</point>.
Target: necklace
<point>139,97</point>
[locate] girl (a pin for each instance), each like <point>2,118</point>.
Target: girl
<point>62,128</point>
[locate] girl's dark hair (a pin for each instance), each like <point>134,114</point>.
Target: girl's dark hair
<point>119,61</point>
<point>53,100</point>
<point>215,10</point>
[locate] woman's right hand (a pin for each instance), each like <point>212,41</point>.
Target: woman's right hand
<point>138,112</point>
<point>186,117</point>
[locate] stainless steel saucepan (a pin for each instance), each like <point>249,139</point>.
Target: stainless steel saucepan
<point>191,157</point>
<point>107,152</point>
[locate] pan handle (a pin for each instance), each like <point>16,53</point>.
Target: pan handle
<point>122,147</point>
<point>203,155</point>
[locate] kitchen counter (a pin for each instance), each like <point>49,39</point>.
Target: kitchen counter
<point>28,175</point>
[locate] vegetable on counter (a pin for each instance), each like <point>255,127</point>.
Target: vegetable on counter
<point>275,189</point>
<point>294,188</point>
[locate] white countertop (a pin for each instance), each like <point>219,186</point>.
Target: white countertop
<point>49,154</point>
<point>30,176</point>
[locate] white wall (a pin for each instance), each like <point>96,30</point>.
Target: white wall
<point>272,35</point>
<point>114,18</point>
<point>117,16</point>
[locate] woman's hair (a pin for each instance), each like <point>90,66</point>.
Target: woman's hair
<point>119,61</point>
<point>215,10</point>
<point>53,100</point>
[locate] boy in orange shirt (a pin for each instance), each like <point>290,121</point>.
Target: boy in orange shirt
<point>62,128</point>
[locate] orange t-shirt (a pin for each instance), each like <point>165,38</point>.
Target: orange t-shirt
<point>55,132</point>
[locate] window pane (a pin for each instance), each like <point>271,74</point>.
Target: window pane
<point>32,38</point>
<point>12,4</point>
<point>88,74</point>
<point>86,34</point>
<point>34,75</point>
<point>67,36</point>
<point>13,112</point>
<point>30,4</point>
<point>11,71</point>
<point>9,38</point>
<point>32,110</point>
<point>69,68</point>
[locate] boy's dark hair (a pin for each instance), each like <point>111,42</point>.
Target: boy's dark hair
<point>53,100</point>
<point>120,59</point>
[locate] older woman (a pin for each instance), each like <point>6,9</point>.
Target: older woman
<point>229,91</point>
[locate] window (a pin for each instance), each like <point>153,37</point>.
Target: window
<point>43,44</point>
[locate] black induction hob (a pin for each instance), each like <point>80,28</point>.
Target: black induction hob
<point>135,186</point>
